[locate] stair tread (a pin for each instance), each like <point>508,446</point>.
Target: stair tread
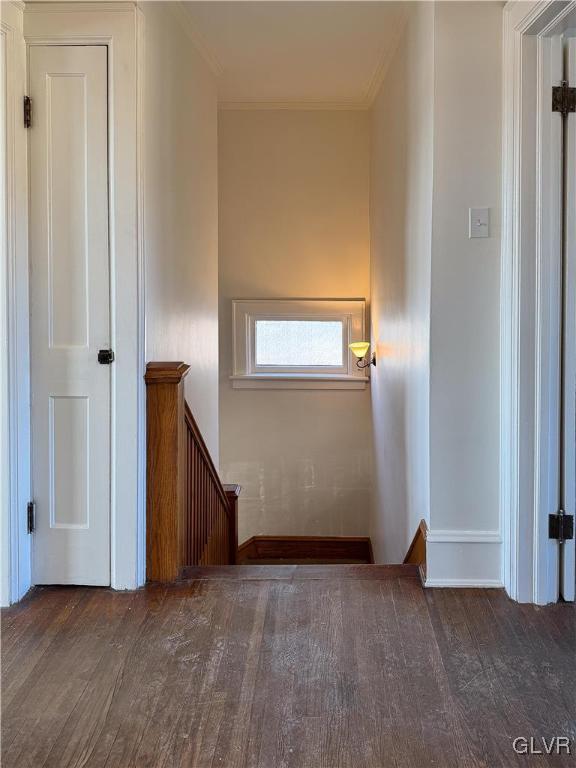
<point>300,572</point>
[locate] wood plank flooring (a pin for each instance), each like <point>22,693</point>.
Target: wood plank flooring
<point>334,668</point>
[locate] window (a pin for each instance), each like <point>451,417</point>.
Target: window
<point>297,343</point>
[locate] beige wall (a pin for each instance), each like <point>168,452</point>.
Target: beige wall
<point>294,222</point>
<point>181,211</point>
<point>401,221</point>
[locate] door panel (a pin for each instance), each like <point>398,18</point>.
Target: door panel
<point>68,247</point>
<point>70,314</point>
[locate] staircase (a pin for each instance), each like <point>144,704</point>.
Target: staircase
<point>192,518</point>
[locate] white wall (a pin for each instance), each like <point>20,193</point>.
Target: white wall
<point>294,222</point>
<point>435,293</point>
<point>464,344</point>
<point>401,221</point>
<point>181,210</point>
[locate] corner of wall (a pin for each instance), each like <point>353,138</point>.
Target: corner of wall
<point>463,559</point>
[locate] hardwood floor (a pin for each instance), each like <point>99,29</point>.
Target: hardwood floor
<point>353,668</point>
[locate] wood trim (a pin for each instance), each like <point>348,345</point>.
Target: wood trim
<point>165,373</point>
<point>416,554</point>
<point>328,548</point>
<point>232,493</point>
<point>165,470</point>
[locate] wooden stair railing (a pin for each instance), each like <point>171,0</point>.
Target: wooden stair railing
<point>191,518</point>
<point>211,534</point>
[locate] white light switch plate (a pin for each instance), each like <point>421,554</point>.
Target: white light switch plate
<point>479,222</point>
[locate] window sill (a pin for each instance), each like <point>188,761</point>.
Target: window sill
<point>298,381</point>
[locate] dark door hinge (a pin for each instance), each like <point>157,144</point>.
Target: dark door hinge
<point>561,527</point>
<point>31,516</point>
<point>27,111</point>
<point>563,99</point>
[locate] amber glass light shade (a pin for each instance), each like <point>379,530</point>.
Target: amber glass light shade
<point>359,348</point>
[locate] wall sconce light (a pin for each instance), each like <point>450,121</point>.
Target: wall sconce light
<point>360,350</point>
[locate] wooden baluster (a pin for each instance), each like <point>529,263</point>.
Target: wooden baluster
<point>203,518</point>
<point>196,507</point>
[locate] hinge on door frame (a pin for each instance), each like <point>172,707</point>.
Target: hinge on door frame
<point>27,111</point>
<point>31,516</point>
<point>563,99</point>
<point>561,527</point>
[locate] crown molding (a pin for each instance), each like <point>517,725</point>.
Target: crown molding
<point>311,106</point>
<point>178,10</point>
<point>74,6</point>
<point>385,60</point>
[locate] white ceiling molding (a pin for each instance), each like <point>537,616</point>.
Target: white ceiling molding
<point>67,6</point>
<point>271,104</point>
<point>385,61</point>
<point>178,9</point>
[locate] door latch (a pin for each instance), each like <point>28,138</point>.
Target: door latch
<point>105,356</point>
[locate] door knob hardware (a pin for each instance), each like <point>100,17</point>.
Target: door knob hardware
<point>105,356</point>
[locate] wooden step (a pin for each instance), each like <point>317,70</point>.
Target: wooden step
<point>305,550</point>
<point>300,572</point>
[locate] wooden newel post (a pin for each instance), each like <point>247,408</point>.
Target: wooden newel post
<point>165,469</point>
<point>232,493</point>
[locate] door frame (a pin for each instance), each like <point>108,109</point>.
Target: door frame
<point>529,292</point>
<point>117,26</point>
<point>14,357</point>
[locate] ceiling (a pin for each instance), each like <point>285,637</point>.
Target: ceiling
<point>301,53</point>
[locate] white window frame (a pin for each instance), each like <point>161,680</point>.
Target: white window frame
<point>248,375</point>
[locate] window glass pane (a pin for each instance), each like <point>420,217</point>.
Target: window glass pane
<point>299,342</point>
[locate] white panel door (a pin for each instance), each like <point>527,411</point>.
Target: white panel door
<point>70,314</point>
<point>567,558</point>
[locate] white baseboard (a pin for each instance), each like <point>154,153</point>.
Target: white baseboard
<point>464,559</point>
<point>470,583</point>
<point>479,537</point>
